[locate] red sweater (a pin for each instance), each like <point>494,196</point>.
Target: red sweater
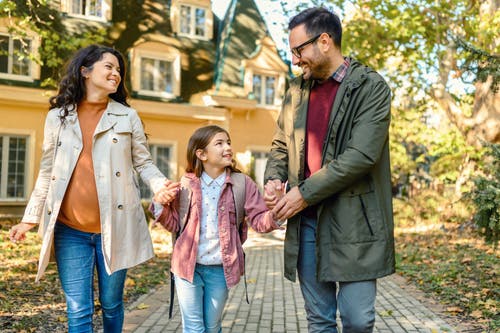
<point>318,115</point>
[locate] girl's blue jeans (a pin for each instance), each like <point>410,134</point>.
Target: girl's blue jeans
<point>202,301</point>
<point>77,254</point>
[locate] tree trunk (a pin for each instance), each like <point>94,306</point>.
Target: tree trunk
<point>486,103</point>
<point>484,124</point>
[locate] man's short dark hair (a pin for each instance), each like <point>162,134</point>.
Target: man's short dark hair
<point>318,20</point>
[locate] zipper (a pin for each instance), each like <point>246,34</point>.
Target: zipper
<point>364,214</point>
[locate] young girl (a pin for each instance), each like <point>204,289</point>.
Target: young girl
<point>208,256</point>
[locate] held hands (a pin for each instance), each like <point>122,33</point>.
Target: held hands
<point>283,205</point>
<point>168,193</point>
<point>274,190</point>
<point>18,232</point>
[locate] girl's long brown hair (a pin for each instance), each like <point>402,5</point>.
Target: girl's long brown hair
<point>200,140</point>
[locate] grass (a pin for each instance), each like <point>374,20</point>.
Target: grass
<point>26,306</point>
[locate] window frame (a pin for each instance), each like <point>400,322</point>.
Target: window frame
<point>192,21</point>
<point>176,18</point>
<point>172,164</point>
<point>172,57</point>
<point>4,164</point>
<point>263,89</point>
<point>106,5</point>
<point>10,59</point>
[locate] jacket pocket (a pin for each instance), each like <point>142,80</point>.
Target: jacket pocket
<point>354,219</point>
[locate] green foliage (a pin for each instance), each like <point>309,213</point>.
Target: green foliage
<point>480,62</point>
<point>58,37</point>
<point>486,195</point>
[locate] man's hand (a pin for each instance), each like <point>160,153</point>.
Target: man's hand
<point>273,192</point>
<point>289,205</point>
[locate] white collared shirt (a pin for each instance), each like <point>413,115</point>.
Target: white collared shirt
<point>209,252</point>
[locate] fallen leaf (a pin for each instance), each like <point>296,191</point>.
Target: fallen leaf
<point>142,306</point>
<point>129,282</point>
<point>476,314</point>
<point>454,309</point>
<point>466,260</point>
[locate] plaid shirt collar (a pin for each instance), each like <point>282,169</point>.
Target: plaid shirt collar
<point>341,72</point>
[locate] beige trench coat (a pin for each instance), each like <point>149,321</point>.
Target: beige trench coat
<point>119,148</point>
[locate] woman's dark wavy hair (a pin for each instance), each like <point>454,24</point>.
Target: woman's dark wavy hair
<point>72,90</point>
<point>317,20</point>
<point>200,140</point>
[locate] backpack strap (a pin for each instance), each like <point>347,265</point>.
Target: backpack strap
<point>239,193</point>
<point>185,193</point>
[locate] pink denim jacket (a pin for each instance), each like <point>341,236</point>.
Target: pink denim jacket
<point>186,247</point>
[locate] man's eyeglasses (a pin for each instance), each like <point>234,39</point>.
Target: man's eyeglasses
<point>296,51</point>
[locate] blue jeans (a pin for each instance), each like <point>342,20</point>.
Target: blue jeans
<point>202,301</point>
<point>354,300</point>
<point>77,254</point>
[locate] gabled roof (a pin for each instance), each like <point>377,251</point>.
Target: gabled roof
<point>239,31</point>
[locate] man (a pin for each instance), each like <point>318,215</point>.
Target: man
<point>331,146</point>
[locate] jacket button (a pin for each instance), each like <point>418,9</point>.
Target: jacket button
<point>118,174</point>
<point>53,177</point>
<point>223,230</point>
<point>49,212</point>
<point>222,208</point>
<point>59,143</point>
<point>115,140</point>
<point>120,206</point>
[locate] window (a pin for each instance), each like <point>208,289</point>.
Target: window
<point>258,163</point>
<point>193,21</point>
<point>13,163</point>
<point>162,158</point>
<point>156,70</point>
<point>92,8</point>
<point>157,76</point>
<point>264,89</point>
<point>14,56</point>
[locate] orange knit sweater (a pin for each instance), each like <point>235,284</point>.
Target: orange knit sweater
<point>80,206</point>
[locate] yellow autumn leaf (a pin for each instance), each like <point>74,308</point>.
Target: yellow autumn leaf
<point>476,314</point>
<point>454,309</point>
<point>142,306</point>
<point>129,282</point>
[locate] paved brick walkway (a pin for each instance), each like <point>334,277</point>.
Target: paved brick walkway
<point>276,304</point>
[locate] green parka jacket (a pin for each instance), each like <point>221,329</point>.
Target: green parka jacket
<point>352,190</point>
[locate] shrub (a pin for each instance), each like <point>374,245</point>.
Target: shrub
<point>486,195</point>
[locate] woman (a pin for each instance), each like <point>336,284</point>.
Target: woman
<point>86,197</point>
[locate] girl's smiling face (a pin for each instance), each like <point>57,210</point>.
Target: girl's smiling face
<point>217,155</point>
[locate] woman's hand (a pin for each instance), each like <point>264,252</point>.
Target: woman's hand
<point>18,232</point>
<point>168,193</point>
